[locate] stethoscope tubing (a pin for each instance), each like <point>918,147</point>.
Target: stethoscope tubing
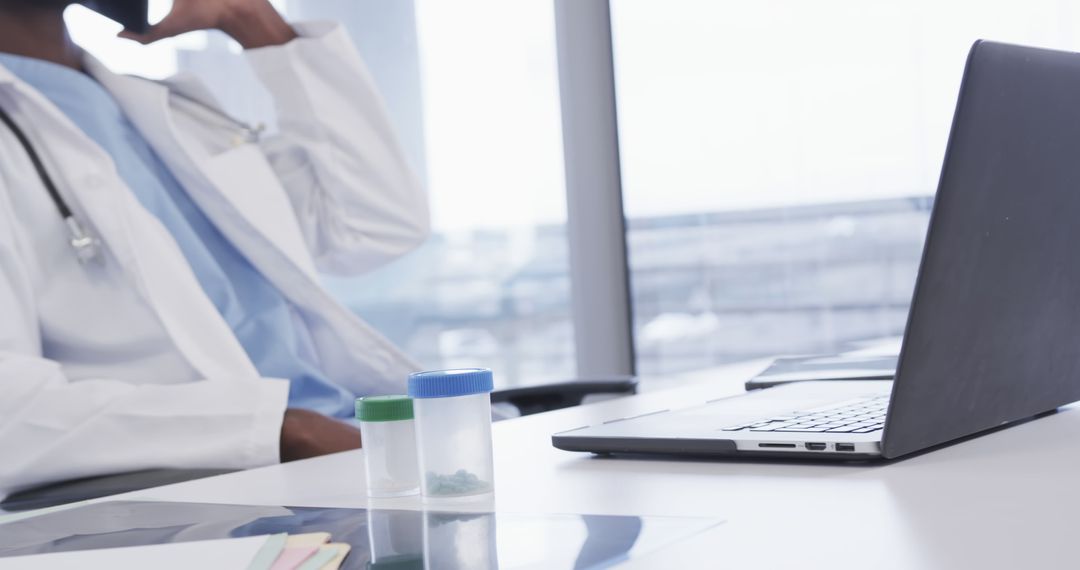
<point>86,246</point>
<point>39,166</point>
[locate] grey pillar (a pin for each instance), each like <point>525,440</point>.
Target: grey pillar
<point>596,225</point>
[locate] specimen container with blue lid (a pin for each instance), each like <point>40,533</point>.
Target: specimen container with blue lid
<point>453,431</point>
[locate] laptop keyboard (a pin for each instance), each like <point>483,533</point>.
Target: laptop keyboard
<point>861,416</point>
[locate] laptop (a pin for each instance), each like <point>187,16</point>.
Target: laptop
<point>993,333</point>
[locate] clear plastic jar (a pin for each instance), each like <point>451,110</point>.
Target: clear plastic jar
<point>453,432</point>
<point>389,442</point>
<point>396,539</point>
<point>460,541</point>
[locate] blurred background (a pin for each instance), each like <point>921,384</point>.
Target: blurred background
<point>779,159</point>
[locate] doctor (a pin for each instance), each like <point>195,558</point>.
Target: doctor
<point>189,329</point>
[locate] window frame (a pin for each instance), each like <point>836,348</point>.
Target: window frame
<point>596,223</point>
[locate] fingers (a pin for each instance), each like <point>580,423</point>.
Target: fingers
<point>178,21</point>
<point>155,33</point>
<point>307,434</point>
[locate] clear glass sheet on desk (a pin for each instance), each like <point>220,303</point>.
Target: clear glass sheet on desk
<point>379,538</point>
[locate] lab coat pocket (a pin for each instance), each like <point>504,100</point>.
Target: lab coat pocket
<point>249,185</point>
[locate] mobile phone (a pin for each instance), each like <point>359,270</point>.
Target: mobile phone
<point>133,14</point>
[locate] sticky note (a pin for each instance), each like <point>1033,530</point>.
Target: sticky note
<point>269,552</point>
<point>308,539</point>
<point>342,552</point>
<point>292,558</point>
<point>326,557</point>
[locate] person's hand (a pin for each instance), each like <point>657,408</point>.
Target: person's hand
<point>253,23</point>
<point>307,434</point>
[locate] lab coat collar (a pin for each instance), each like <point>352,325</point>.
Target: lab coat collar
<point>186,84</point>
<point>146,104</point>
<point>192,87</point>
<point>132,93</point>
<point>141,99</point>
<point>97,70</point>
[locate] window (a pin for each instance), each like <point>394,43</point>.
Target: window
<point>779,160</point>
<point>472,88</point>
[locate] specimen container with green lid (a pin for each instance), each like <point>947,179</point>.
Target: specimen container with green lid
<point>389,443</point>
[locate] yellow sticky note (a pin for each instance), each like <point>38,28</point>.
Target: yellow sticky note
<point>307,540</point>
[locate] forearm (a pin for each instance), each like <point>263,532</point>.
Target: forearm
<point>54,429</point>
<point>358,202</point>
<point>256,24</point>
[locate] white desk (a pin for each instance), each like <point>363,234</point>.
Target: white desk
<point>1005,500</point>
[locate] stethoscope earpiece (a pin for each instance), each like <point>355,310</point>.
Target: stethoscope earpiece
<point>87,248</point>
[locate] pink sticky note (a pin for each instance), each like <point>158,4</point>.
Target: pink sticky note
<point>292,558</point>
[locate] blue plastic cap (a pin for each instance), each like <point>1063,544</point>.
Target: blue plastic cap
<point>450,383</point>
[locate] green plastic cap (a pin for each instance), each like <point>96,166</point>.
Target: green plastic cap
<point>399,562</point>
<point>384,408</point>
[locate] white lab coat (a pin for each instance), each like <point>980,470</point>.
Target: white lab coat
<point>126,364</point>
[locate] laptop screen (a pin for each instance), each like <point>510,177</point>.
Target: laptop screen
<point>994,330</point>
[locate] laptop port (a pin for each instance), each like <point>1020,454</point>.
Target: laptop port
<point>845,447</point>
<point>815,446</point>
<point>786,445</point>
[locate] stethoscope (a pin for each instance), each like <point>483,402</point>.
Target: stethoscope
<point>88,248</point>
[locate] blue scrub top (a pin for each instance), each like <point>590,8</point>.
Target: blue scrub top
<point>265,323</point>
